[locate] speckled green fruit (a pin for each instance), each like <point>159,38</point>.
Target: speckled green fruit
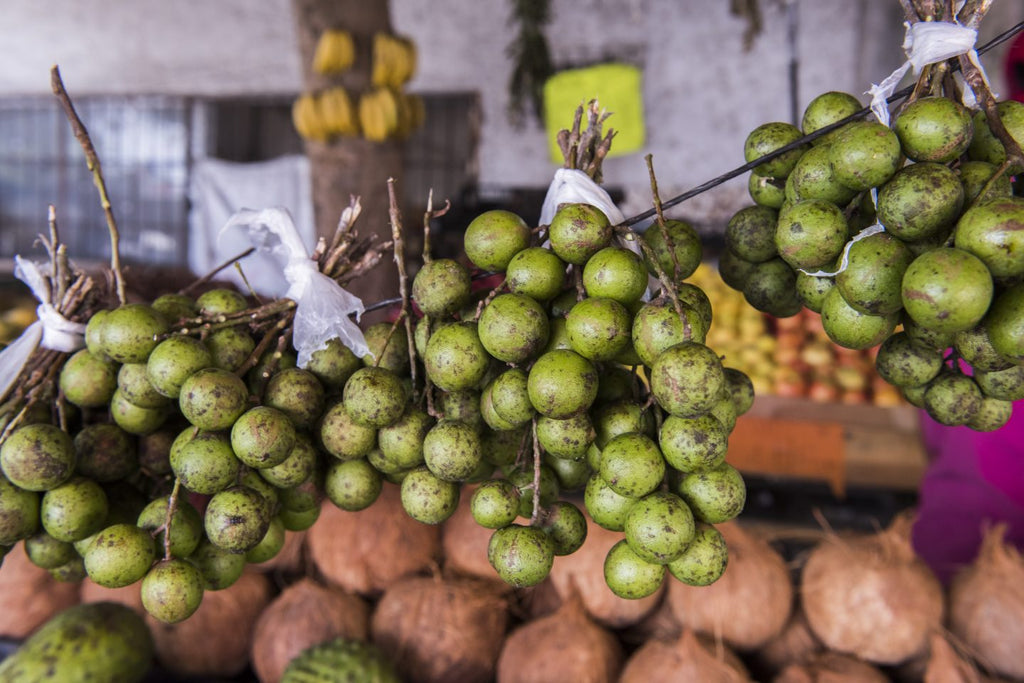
<point>934,129</point>
<point>495,504</point>
<point>205,463</point>
<point>991,415</point>
<point>933,339</point>
<point>219,568</point>
<point>686,245</point>
<point>334,364</point>
<point>119,555</point>
<point>510,397</point>
<point>463,406</point>
<point>985,146</point>
<point>686,379</point>
<point>826,109</point>
<point>537,273</point>
<point>262,437</point>
<point>770,287</point>
<point>220,302</point>
<point>562,384</point>
<point>975,177</point>
<point>563,303</point>
<point>47,552</point>
<point>811,234</point>
<point>130,332</point>
<point>578,231</point>
<point>19,512</point>
<point>572,475</point>
<point>871,281</point>
<point>298,394</point>
<point>402,442</point>
<point>1006,385</point>
<point>494,237</point>
<point>501,448</point>
<point>94,333</point>
<point>632,465</point>
<point>903,362</point>
<point>513,328</point>
<point>920,200</point>
<point>599,329</point>
<point>765,191</point>
<point>427,498</point>
<point>88,380</point>
<point>441,287</point>
<point>298,520</point>
<point>455,358</point>
<point>270,545</point>
<point>490,416</point>
<point>297,466</point>
<point>451,450</point>
<point>230,347</point>
<point>704,560</point>
<point>659,527</point>
<point>716,495</point>
<point>657,326</point>
<point>850,328</point>
<point>213,399</point>
<point>865,154</point>
<point>135,387</point>
<point>236,519</point>
<point>994,232</point>
<point>566,526</point>
<point>740,388</point>
<point>173,361</point>
<point>522,477</point>
<point>975,348</point>
<point>813,178</point>
<point>607,508</point>
<point>174,307</point>
<point>37,457</point>
<point>952,399</point>
<point>947,290</point>
<point>620,416</point>
<point>811,289</point>
<point>734,270</point>
<point>343,437</point>
<point>172,590</point>
<point>693,444</point>
<point>70,572</point>
<point>615,273</point>
<point>1005,323</point>
<point>696,298</point>
<point>374,397</point>
<point>568,438</point>
<point>750,233</point>
<point>186,525</point>
<point>724,410</point>
<point>521,555</point>
<point>135,419</point>
<point>75,509</point>
<point>390,345</point>
<point>628,575</point>
<point>769,137</point>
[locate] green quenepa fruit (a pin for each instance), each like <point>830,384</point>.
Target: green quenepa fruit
<point>172,590</point>
<point>19,512</point>
<point>811,289</point>
<point>494,237</point>
<point>865,154</point>
<point>262,437</point>
<point>536,272</point>
<point>186,527</point>
<point>343,437</point>
<point>205,463</point>
<point>615,273</point>
<point>334,364</point>
<point>975,177</point>
<point>119,555</point>
<point>630,576</point>
<point>456,358</point>
<point>952,399</point>
<point>765,191</point>
<point>88,380</point>
<point>130,332</point>
<point>219,568</point>
<point>770,287</point>
<point>100,641</point>
<point>934,129</point>
<point>947,290</point>
<point>925,337</point>
<point>569,438</point>
<point>632,465</point>
<point>236,519</point>
<point>750,233</point>
<point>94,333</point>
<point>296,468</point>
<point>769,137</point>
<point>620,416</point>
<point>986,146</point>
<point>687,379</point>
<point>716,495</point>
<point>826,109</point>
<point>850,328</point>
<point>741,389</point>
<point>920,200</point>
<point>704,560</point>
<point>213,399</point>
<point>914,395</point>
<point>1006,385</point>
<point>427,498</point>
<point>811,234</point>
<point>566,526</point>
<point>521,555</point>
<point>562,384</point>
<point>70,572</point>
<point>352,485</point>
<point>694,444</point>
<point>607,508</point>
<point>441,287</point>
<point>1005,323</point>
<point>872,279</point>
<point>374,397</point>
<point>512,328</point>
<point>495,504</point>
<point>221,301</point>
<point>230,347</point>
<point>174,360</point>
<point>463,406</point>
<point>174,307</point>
<point>975,347</point>
<point>657,326</point>
<point>659,527</point>
<point>298,520</point>
<point>402,442</point>
<point>523,477</point>
<point>298,394</point>
<point>37,457</point>
<point>490,416</point>
<point>136,419</point>
<point>510,397</point>
<point>578,231</point>
<point>734,270</point>
<point>695,297</point>
<point>813,178</point>
<point>452,451</point>
<point>724,410</point>
<point>47,552</point>
<point>685,243</point>
<point>75,509</point>
<point>904,363</point>
<point>992,415</point>
<point>500,448</point>
<point>571,475</point>
<point>994,232</point>
<point>340,660</point>
<point>390,345</point>
<point>599,329</point>
<point>136,388</point>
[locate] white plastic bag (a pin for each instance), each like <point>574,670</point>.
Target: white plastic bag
<point>323,306</point>
<point>571,186</point>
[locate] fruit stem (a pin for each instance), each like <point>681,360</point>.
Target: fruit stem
<point>209,276</point>
<point>265,342</point>
<point>172,505</point>
<point>398,247</point>
<point>535,515</point>
<point>669,244</point>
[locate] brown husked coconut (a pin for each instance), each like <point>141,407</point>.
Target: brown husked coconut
<point>29,595</point>
<point>831,667</point>
<point>129,596</point>
<point>871,596</point>
<point>464,544</point>
<point>683,659</point>
<point>749,605</point>
<point>303,615</point>
<point>583,572</point>
<point>794,644</point>
<point>944,665</point>
<point>215,641</point>
<point>564,646</point>
<point>365,552</point>
<point>439,630</point>
<point>986,606</point>
<point>290,559</point>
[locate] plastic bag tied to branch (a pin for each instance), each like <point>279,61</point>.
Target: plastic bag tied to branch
<point>322,306</point>
<point>572,186</point>
<point>51,330</point>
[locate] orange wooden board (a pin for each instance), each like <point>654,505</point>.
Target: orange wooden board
<point>793,448</point>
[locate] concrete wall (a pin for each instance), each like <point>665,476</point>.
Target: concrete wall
<point>702,92</point>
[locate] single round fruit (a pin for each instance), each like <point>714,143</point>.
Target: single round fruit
<point>826,109</point>
<point>494,237</point>
<point>986,146</point>
<point>693,444</point>
<point>704,560</point>
<point>388,347</point>
<point>521,555</point>
<point>934,129</point>
<point>19,513</point>
<point>630,576</point>
<point>569,438</point>
<point>947,290</point>
<point>334,364</point>
<point>766,192</point>
<point>632,465</point>
<point>343,437</point>
<point>994,232</point>
<point>750,233</point>
<point>262,437</point>
<point>213,399</point>
<point>865,154</point>
<point>904,363</point>
<point>952,399</point>
<point>607,508</point>
<point>685,244</point>
<point>513,328</point>
<point>402,442</point>
<point>599,329</point>
<point>220,301</point>
<point>205,463</point>
<point>716,495</point>
<point>75,509</point>
<point>659,527</point>
<point>374,397</point>
<point>813,178</point>
<point>578,231</point>
<point>174,307</point>
<point>495,504</point>
<point>1005,323</point>
<point>298,394</point>
<point>615,273</point>
<point>427,498</point>
<point>920,200</point>
<point>352,485</point>
<point>236,519</point>
<point>871,281</point>
<point>186,528</point>
<point>851,329</point>
<point>456,358</point>
<point>46,552</point>
<point>687,379</point>
<point>441,287</point>
<point>451,450</point>
<point>172,590</point>
<point>219,568</point>
<point>562,384</point>
<point>658,325</point>
<point>38,457</point>
<point>537,273</point>
<point>770,287</point>
<point>88,380</point>
<point>130,332</point>
<point>768,138</point>
<point>119,555</point>
<point>811,234</point>
<point>566,526</point>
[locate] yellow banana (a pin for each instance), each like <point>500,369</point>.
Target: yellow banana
<point>371,118</point>
<point>334,52</point>
<point>389,109</point>
<point>407,60</point>
<point>380,71</point>
<point>306,118</point>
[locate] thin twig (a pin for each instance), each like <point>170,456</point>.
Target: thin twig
<point>535,515</point>
<point>403,279</point>
<point>662,226</point>
<point>209,276</point>
<point>265,342</point>
<point>172,505</point>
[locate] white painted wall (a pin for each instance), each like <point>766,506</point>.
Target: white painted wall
<point>702,92</point>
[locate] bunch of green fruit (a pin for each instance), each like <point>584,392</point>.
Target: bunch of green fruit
<point>947,271</point>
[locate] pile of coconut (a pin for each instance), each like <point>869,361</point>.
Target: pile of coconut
<point>851,608</point>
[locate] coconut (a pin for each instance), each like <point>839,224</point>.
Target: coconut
<point>794,644</point>
<point>871,596</point>
<point>831,667</point>
<point>583,572</point>
<point>289,560</point>
<point>215,641</point>
<point>365,552</point>
<point>29,595</point>
<point>756,575</point>
<point>683,659</point>
<point>303,615</point>
<point>942,665</point>
<point>986,603</point>
<point>129,596</point>
<point>564,646</point>
<point>464,544</point>
<point>441,630</point>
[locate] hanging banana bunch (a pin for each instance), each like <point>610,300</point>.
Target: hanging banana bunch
<point>335,52</point>
<point>394,60</point>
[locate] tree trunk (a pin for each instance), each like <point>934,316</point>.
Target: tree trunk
<point>350,166</point>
